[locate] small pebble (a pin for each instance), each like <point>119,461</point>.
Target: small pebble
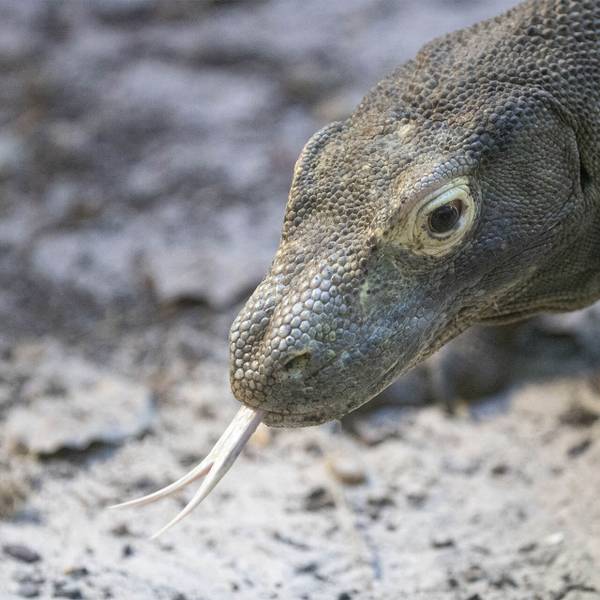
<point>500,469</point>
<point>121,530</point>
<point>442,542</point>
<point>417,498</point>
<point>317,499</point>
<point>504,580</point>
<point>474,573</point>
<point>21,553</point>
<point>77,572</point>
<point>579,416</point>
<point>64,591</point>
<point>579,448</point>
<point>377,504</point>
<point>310,567</point>
<point>346,469</point>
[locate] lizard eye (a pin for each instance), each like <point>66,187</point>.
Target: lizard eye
<point>444,219</point>
<point>440,221</point>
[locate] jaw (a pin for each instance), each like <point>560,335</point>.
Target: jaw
<point>325,411</point>
<point>533,297</point>
<point>318,417</point>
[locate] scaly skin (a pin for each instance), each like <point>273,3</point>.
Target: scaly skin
<point>463,189</point>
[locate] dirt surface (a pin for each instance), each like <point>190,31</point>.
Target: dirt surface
<point>146,147</point>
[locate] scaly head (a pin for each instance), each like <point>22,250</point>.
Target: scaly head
<point>458,192</point>
<point>431,208</point>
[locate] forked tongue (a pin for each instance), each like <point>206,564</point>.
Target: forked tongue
<point>214,466</point>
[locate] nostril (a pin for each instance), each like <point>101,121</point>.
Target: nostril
<point>297,364</point>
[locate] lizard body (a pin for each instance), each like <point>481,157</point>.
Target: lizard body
<point>463,189</point>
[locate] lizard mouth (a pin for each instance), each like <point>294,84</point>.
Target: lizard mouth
<point>297,418</point>
<point>316,415</point>
<point>280,419</point>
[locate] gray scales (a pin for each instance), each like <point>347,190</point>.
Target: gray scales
<point>464,189</point>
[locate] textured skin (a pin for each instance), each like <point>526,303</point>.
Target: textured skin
<point>511,106</point>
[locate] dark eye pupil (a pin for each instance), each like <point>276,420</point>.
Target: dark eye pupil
<point>444,218</point>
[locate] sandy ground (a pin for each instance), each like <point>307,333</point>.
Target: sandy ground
<point>146,147</point>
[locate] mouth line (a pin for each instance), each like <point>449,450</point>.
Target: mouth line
<point>274,418</point>
<point>307,415</point>
<point>294,420</point>
<point>392,368</point>
<point>276,413</point>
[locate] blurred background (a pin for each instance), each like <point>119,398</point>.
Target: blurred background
<point>146,149</point>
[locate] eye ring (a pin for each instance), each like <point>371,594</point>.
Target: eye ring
<point>438,223</point>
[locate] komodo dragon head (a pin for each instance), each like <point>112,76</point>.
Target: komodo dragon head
<point>461,191</point>
<point>450,197</point>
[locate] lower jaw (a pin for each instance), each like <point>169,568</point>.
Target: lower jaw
<point>319,415</point>
<point>527,311</point>
<point>333,412</point>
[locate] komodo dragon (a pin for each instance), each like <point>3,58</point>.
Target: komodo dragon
<point>464,189</point>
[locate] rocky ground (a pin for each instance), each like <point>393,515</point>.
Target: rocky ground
<point>146,148</point>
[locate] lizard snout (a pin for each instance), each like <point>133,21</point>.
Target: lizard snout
<point>288,342</point>
<point>281,344</point>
